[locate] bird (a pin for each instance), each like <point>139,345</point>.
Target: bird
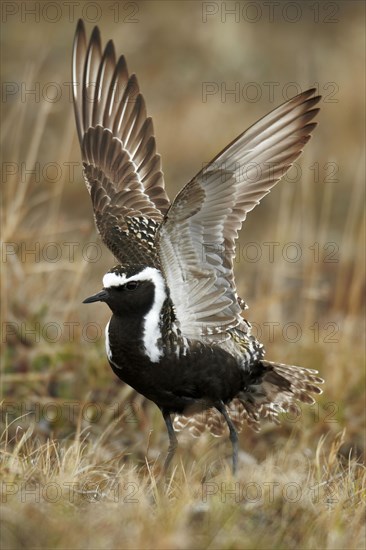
<point>177,333</point>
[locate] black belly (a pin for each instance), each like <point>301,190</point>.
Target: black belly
<point>207,374</point>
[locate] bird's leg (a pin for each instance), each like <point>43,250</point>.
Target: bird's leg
<point>233,433</point>
<point>173,441</point>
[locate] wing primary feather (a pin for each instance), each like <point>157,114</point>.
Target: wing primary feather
<point>92,61</point>
<point>123,176</point>
<point>104,77</point>
<point>118,83</point>
<point>79,52</point>
<point>203,222</point>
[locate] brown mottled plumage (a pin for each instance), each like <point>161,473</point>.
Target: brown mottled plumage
<point>177,334</point>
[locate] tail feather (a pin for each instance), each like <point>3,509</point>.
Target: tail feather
<point>272,388</point>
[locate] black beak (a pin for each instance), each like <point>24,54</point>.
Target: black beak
<point>99,297</point>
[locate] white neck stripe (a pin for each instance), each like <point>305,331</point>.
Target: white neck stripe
<point>152,331</point>
<point>107,345</point>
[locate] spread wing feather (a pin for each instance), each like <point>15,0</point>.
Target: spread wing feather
<point>197,239</point>
<point>121,167</point>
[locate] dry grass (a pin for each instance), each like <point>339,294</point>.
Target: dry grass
<point>292,499</point>
<point>81,453</point>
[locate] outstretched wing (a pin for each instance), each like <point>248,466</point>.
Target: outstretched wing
<point>121,168</point>
<point>197,240</point>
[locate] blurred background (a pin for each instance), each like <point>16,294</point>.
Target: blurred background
<point>207,70</point>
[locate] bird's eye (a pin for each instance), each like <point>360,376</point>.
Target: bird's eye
<point>132,285</point>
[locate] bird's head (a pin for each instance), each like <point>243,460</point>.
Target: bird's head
<point>129,291</point>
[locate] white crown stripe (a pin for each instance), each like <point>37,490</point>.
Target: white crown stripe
<point>113,279</point>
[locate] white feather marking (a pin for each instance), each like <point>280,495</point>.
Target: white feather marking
<point>113,279</point>
<point>152,332</point>
<point>107,345</point>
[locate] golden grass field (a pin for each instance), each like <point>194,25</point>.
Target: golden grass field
<point>81,453</point>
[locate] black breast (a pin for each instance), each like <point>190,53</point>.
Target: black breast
<point>204,374</point>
